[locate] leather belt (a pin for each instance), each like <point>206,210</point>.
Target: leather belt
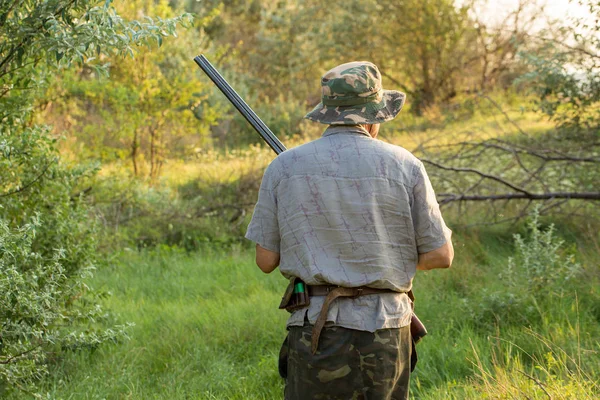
<point>331,293</point>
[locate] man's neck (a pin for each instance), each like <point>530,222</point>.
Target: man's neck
<point>346,129</point>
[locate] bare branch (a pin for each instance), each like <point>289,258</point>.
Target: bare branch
<point>482,174</point>
<point>513,148</point>
<point>537,153</point>
<point>18,356</point>
<point>504,113</point>
<point>578,49</point>
<point>449,197</point>
<point>22,188</point>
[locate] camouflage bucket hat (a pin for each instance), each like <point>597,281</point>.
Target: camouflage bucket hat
<point>352,94</point>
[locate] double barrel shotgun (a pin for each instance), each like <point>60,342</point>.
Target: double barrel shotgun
<point>417,328</point>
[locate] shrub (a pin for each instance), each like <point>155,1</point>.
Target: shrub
<point>208,202</point>
<point>47,250</point>
<point>542,263</point>
<point>541,269</point>
<point>47,238</point>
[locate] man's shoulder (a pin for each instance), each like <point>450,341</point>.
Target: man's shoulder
<point>396,157</point>
<point>282,162</point>
<point>296,152</point>
<point>397,151</point>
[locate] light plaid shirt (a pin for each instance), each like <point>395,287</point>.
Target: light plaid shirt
<point>349,210</point>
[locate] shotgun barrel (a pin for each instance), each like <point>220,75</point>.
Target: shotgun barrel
<point>244,109</point>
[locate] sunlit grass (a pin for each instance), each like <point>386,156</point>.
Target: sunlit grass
<point>220,167</point>
<point>207,327</point>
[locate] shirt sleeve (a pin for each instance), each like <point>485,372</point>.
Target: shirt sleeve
<point>431,232</point>
<point>264,226</point>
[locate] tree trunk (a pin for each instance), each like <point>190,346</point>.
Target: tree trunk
<point>152,153</point>
<point>134,149</point>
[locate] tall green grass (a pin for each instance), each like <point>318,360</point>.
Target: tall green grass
<point>207,327</point>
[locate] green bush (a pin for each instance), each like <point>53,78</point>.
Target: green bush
<point>189,215</point>
<point>543,268</point>
<point>542,262</point>
<point>47,249</point>
<point>47,236</point>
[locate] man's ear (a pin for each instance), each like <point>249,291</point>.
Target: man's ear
<point>374,130</point>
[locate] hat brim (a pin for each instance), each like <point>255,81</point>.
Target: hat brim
<point>369,113</point>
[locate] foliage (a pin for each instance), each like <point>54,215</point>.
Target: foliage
<point>38,37</point>
<point>193,310</point>
<point>207,201</point>
<point>432,32</point>
<point>565,72</point>
<point>124,116</point>
<point>45,306</point>
<point>431,50</point>
<point>47,248</point>
<point>542,268</point>
<point>47,239</point>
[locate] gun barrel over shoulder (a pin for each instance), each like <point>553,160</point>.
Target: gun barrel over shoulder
<point>244,109</point>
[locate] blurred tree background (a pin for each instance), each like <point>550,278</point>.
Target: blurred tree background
<point>112,138</point>
<point>520,89</point>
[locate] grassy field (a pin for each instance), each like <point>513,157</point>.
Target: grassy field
<point>207,327</point>
<point>206,323</point>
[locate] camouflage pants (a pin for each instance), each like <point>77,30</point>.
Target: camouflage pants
<point>349,364</point>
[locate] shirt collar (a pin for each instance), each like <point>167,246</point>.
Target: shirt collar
<point>345,129</point>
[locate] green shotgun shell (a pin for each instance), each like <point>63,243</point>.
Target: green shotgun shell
<point>299,287</point>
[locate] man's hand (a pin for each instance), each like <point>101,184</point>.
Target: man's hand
<point>438,258</point>
<point>266,260</point>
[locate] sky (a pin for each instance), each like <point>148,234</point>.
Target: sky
<point>495,10</point>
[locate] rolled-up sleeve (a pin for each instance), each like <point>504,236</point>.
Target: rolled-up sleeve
<point>431,232</point>
<point>264,226</point>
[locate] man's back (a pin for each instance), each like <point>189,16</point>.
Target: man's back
<point>344,205</point>
<point>346,216</point>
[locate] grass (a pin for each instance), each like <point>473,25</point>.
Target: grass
<point>207,327</point>
<point>207,324</point>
